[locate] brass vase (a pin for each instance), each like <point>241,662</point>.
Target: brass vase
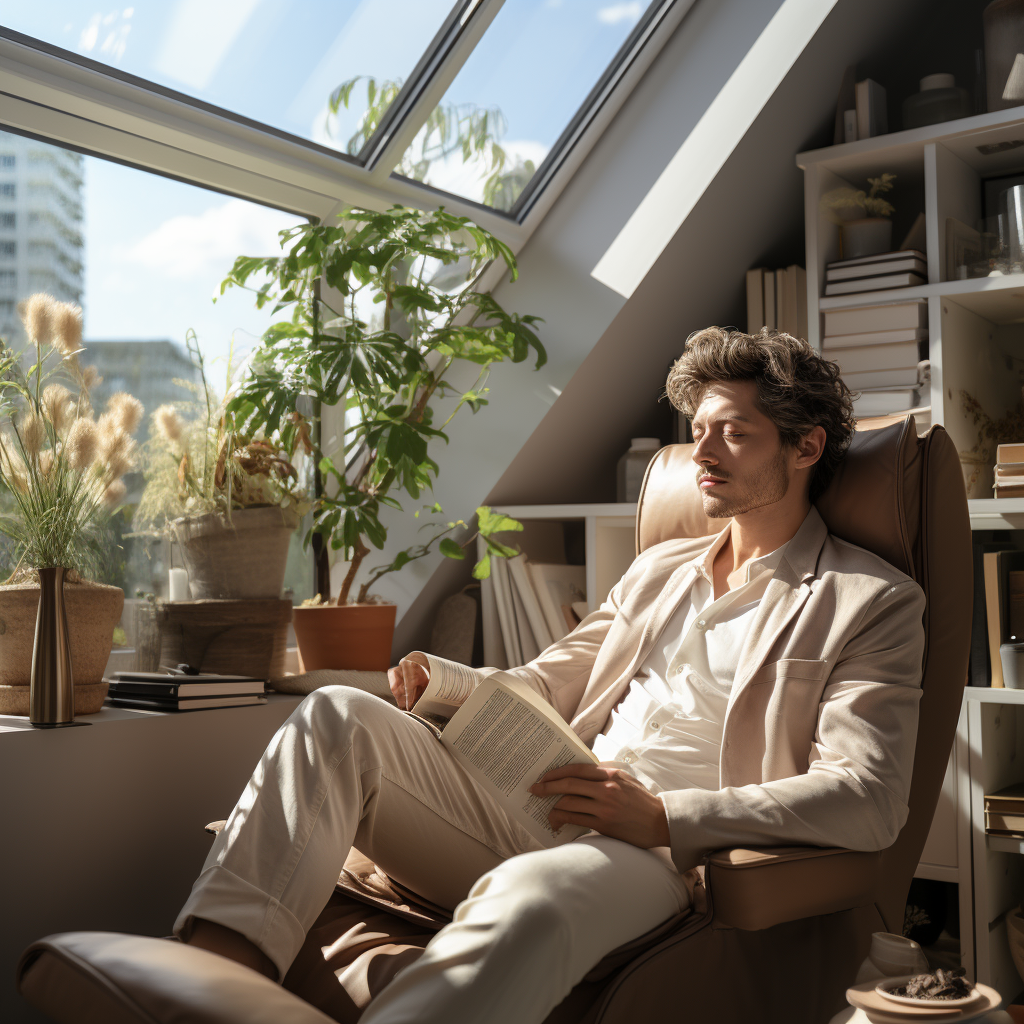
<point>52,692</point>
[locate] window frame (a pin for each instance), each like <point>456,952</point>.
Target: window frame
<point>76,102</point>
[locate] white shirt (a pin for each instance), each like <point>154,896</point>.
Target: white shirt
<point>668,729</point>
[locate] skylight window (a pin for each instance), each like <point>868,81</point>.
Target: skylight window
<point>517,93</point>
<point>278,62</point>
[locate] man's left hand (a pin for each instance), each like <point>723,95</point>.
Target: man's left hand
<point>608,800</point>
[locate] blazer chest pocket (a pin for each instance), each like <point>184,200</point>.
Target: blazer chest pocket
<point>787,694</point>
<point>810,669</point>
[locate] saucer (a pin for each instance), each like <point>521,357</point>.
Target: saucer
<point>884,987</point>
<point>884,1010</point>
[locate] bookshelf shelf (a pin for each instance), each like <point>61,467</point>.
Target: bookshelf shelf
<point>902,150</point>
<point>996,513</point>
<point>1004,844</point>
<point>997,299</point>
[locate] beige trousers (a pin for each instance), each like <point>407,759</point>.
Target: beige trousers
<point>348,769</point>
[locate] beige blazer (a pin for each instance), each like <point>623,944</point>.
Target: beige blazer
<point>819,734</point>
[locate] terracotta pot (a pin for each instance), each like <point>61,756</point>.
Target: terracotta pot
<point>238,560</point>
<point>353,636</point>
<point>93,610</point>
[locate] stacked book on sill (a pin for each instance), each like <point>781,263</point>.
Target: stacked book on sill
<point>531,601</point>
<point>883,353</point>
<point>1009,471</point>
<point>885,270</point>
<point>777,299</point>
<point>163,691</point>
<point>1004,812</point>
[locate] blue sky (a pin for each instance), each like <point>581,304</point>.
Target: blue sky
<point>156,249</point>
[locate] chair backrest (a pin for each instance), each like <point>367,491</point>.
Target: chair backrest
<point>901,497</point>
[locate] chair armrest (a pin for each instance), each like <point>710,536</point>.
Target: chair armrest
<point>758,887</point>
<point>131,979</point>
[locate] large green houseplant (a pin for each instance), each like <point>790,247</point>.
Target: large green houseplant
<point>378,319</point>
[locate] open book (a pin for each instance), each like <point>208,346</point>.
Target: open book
<point>506,736</point>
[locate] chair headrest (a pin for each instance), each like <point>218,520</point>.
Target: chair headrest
<point>873,501</point>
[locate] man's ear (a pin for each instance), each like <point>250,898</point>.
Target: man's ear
<point>810,447</point>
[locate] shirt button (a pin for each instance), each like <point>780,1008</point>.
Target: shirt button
<point>655,725</point>
<point>629,758</point>
<point>702,624</point>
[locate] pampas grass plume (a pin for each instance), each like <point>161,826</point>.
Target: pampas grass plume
<point>33,433</point>
<point>80,446</point>
<point>90,378</point>
<point>46,461</point>
<point>114,494</point>
<point>58,406</point>
<point>116,447</point>
<point>38,318</point>
<point>168,423</point>
<point>67,328</point>
<point>125,411</point>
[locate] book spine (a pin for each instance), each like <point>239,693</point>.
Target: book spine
<point>755,300</point>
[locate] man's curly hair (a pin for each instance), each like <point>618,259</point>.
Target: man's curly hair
<point>796,388</point>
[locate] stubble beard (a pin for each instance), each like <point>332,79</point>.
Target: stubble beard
<point>768,486</point>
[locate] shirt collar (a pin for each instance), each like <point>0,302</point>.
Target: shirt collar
<point>807,532</point>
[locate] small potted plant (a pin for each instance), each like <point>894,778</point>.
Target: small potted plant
<point>864,218</point>
<point>231,498</point>
<point>60,470</point>
<point>379,343</point>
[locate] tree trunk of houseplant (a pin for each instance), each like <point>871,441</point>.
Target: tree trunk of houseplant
<point>239,560</point>
<point>347,636</point>
<point>93,610</point>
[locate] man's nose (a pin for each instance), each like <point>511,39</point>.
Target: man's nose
<point>703,453</point>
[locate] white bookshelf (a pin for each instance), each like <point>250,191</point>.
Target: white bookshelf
<point>610,532</point>
<point>976,327</point>
<point>976,343</point>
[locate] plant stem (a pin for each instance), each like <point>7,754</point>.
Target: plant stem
<point>359,552</point>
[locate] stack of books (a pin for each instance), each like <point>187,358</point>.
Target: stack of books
<point>163,691</point>
<point>1004,812</point>
<point>1009,471</point>
<point>876,273</point>
<point>537,603</point>
<point>777,299</point>
<point>883,352</point>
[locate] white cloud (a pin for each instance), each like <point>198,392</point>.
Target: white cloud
<point>614,13</point>
<point>200,33</point>
<point>202,247</point>
<point>113,28</point>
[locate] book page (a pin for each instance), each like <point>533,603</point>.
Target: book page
<point>507,736</point>
<point>450,683</point>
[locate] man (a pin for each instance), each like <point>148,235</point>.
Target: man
<point>757,687</point>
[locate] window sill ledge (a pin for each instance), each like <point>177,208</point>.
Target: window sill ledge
<point>108,715</point>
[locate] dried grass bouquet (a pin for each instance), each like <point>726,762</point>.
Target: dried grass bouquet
<point>196,463</point>
<point>61,466</point>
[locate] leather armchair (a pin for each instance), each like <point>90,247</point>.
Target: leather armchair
<point>774,933</point>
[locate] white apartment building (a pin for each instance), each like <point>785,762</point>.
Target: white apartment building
<point>40,226</point>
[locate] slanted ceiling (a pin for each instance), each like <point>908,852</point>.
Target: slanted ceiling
<point>750,215</point>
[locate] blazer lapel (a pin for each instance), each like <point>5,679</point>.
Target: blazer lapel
<point>784,596</point>
<point>675,590</point>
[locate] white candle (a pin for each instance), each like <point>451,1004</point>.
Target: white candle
<point>177,585</point>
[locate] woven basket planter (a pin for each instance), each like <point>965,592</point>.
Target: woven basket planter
<point>93,609</point>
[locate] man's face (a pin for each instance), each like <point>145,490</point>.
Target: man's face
<point>741,462</point>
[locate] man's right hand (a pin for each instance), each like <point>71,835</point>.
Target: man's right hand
<point>407,681</point>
